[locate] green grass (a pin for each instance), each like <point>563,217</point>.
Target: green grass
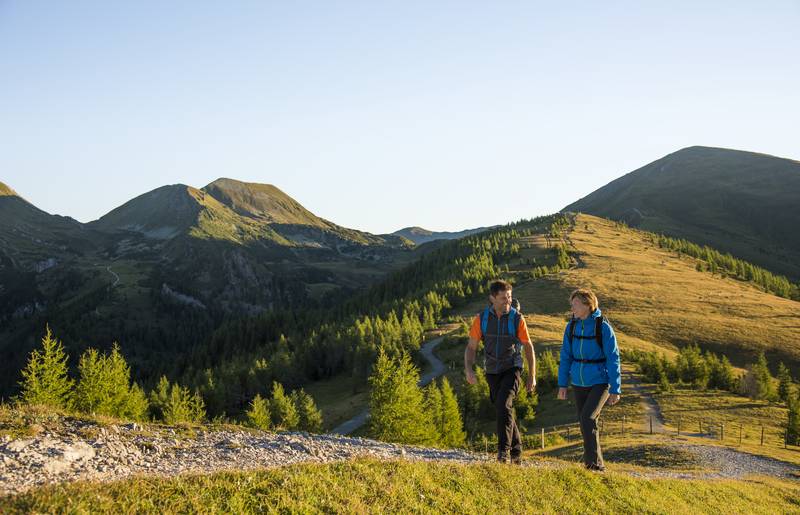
<point>714,408</point>
<point>339,398</point>
<point>638,451</point>
<point>369,486</point>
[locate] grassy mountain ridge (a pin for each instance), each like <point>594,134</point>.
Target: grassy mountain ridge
<point>659,296</point>
<point>739,202</point>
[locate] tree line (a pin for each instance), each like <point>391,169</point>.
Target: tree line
<point>295,347</point>
<point>715,261</point>
<point>104,387</point>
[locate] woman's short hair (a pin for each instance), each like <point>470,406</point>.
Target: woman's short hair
<point>586,296</point>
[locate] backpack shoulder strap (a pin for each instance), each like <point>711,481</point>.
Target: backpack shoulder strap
<point>598,330</point>
<point>484,321</point>
<point>571,335</point>
<point>513,321</point>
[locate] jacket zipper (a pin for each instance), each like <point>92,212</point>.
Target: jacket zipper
<point>497,348</point>
<point>581,369</point>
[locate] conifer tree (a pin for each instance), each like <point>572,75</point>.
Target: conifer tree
<point>282,408</point>
<point>258,415</point>
<point>758,381</point>
<point>784,383</point>
<point>451,433</point>
<point>104,386</point>
<point>433,408</point>
<point>793,423</point>
<point>396,403</point>
<point>310,417</point>
<point>44,379</point>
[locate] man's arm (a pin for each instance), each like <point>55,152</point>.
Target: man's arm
<point>530,358</point>
<point>469,360</point>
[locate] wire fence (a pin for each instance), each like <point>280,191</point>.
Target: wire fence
<point>730,432</point>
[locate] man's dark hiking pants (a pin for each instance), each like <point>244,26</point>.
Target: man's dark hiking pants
<point>503,388</point>
<point>590,401</point>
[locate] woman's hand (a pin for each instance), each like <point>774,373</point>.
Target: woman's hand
<point>613,399</point>
<point>562,394</point>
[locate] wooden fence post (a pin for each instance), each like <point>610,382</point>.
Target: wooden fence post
<point>542,438</point>
<point>740,434</point>
<point>722,431</point>
<point>651,424</point>
<point>679,425</point>
<point>762,435</point>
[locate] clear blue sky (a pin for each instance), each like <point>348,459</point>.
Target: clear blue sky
<point>379,115</point>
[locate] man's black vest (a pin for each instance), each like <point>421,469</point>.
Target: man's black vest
<point>501,347</point>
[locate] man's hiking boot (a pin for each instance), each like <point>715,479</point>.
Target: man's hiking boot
<point>516,460</point>
<point>596,468</point>
<point>502,458</point>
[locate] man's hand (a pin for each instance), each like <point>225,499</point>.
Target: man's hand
<point>562,394</point>
<point>530,384</point>
<point>613,399</point>
<point>471,379</point>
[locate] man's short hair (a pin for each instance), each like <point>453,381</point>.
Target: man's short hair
<point>498,286</point>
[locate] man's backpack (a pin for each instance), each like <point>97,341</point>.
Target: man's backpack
<point>513,321</point>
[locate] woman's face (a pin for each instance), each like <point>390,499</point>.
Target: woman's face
<point>579,309</point>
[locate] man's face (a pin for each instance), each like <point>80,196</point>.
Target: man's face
<point>502,301</point>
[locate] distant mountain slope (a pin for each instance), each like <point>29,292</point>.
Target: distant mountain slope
<point>655,295</point>
<point>160,272</point>
<point>744,203</point>
<point>419,235</point>
<point>26,231</point>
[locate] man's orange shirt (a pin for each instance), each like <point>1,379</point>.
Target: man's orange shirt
<point>522,329</point>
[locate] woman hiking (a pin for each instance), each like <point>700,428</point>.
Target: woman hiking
<point>590,361</point>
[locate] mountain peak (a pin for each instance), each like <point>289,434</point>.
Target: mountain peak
<point>262,201</point>
<point>6,191</point>
<point>161,213</point>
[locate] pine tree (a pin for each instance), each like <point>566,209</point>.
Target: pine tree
<point>396,402</point>
<point>104,386</point>
<point>175,404</point>
<point>159,398</point>
<point>137,406</point>
<point>547,372</point>
<point>44,379</point>
<point>433,407</point>
<point>757,382</point>
<point>310,417</point>
<point>784,383</point>
<point>258,415</point>
<point>793,423</point>
<point>282,408</point>
<point>451,433</point>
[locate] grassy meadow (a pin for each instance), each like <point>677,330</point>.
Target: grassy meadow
<point>369,486</point>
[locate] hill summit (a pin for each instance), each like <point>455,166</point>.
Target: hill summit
<point>740,202</point>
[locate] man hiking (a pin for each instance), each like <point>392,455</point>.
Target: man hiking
<point>504,334</point>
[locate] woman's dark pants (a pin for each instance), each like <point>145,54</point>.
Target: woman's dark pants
<point>590,401</point>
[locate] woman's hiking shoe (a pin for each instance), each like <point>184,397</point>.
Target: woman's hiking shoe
<point>596,468</point>
<point>516,460</point>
